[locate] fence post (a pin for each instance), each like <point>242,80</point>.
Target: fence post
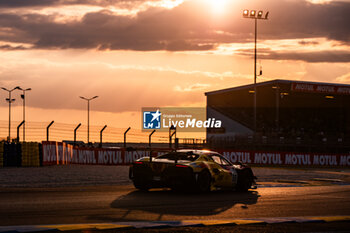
<point>47,130</point>
<point>75,133</point>
<point>101,135</point>
<point>125,136</point>
<point>149,138</point>
<point>171,134</point>
<point>18,130</point>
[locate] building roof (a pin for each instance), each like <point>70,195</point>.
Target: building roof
<point>280,81</point>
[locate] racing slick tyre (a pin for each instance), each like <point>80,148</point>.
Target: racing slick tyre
<point>204,181</point>
<point>244,181</point>
<point>140,184</point>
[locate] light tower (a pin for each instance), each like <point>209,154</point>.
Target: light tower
<point>253,14</point>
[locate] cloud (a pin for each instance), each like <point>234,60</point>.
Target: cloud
<point>321,56</point>
<point>205,74</point>
<point>120,87</point>
<point>303,42</point>
<point>27,3</point>
<point>186,27</point>
<point>343,78</point>
<point>191,88</point>
<point>10,47</point>
<point>46,3</point>
<point>312,57</point>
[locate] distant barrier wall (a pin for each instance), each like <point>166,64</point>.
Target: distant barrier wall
<point>25,154</point>
<point>12,155</point>
<point>30,154</point>
<point>62,153</point>
<point>287,158</point>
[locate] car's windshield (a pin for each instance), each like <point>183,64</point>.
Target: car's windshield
<point>179,156</point>
<point>219,160</point>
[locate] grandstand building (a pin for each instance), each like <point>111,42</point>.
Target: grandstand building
<point>286,111</point>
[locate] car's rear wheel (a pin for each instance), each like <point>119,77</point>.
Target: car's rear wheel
<point>204,181</point>
<point>140,184</point>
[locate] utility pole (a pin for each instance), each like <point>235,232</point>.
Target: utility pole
<point>88,115</point>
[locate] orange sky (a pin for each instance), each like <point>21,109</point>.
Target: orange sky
<point>135,54</point>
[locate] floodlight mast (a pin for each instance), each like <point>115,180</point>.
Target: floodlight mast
<point>252,14</point>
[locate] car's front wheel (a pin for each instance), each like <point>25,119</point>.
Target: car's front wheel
<point>244,181</point>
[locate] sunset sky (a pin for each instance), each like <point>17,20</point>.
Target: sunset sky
<point>145,53</point>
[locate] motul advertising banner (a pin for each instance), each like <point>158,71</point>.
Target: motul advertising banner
<point>321,88</point>
<point>62,153</point>
<point>287,158</point>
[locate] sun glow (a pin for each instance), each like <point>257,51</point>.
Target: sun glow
<point>217,6</point>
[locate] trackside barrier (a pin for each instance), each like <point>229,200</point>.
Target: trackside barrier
<point>30,154</point>
<point>27,154</point>
<point>1,154</point>
<point>62,153</point>
<point>12,155</point>
<point>55,153</point>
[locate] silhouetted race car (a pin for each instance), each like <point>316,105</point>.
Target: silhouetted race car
<point>201,170</point>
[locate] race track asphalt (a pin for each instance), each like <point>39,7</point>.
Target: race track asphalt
<point>64,205</point>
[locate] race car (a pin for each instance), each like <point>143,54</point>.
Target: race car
<point>200,170</point>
